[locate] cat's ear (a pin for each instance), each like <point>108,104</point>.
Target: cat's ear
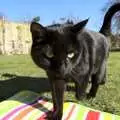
<point>79,26</point>
<point>37,30</point>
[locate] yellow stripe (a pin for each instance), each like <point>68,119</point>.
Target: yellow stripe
<point>107,116</point>
<point>66,105</point>
<point>66,110</point>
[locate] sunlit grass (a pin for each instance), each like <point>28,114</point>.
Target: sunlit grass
<point>108,96</point>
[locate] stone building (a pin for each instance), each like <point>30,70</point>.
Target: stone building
<point>15,38</point>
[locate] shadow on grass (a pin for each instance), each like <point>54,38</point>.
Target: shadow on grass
<point>17,83</point>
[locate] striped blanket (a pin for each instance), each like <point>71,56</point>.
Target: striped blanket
<point>28,105</point>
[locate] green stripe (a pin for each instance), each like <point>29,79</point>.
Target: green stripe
<point>81,113</point>
<point>117,117</point>
<point>7,106</point>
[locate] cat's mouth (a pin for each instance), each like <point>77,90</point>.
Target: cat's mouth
<point>59,76</point>
<point>56,75</point>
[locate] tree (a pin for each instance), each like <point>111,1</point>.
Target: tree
<point>36,19</point>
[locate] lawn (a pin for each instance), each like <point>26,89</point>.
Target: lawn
<point>20,68</point>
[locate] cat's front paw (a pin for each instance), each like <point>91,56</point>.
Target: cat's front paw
<point>91,96</point>
<point>81,96</point>
<point>53,116</point>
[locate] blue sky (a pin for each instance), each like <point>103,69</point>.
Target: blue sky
<point>50,10</point>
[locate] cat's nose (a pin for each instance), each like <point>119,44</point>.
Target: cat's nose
<point>59,74</point>
<point>58,64</point>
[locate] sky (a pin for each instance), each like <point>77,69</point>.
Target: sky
<point>53,10</point>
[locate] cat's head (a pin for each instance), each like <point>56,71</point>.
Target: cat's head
<point>56,48</point>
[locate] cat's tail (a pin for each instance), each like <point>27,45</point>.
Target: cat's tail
<point>106,27</point>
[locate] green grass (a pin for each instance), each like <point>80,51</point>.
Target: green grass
<point>20,65</point>
<point>108,96</point>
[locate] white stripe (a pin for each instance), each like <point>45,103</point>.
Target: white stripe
<point>113,117</point>
<point>75,112</point>
<point>101,116</point>
<point>85,114</point>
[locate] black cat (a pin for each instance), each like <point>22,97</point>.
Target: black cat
<point>71,51</point>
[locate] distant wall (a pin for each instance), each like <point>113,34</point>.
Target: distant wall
<point>15,38</point>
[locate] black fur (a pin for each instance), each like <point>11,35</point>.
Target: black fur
<point>70,51</point>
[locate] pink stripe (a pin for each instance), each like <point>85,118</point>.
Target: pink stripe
<point>43,116</point>
<point>70,113</point>
<point>7,116</point>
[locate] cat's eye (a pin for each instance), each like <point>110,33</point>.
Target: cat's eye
<point>48,51</point>
<point>49,54</point>
<point>71,55</point>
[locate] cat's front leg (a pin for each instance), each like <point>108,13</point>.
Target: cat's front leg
<point>81,87</point>
<point>57,96</point>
